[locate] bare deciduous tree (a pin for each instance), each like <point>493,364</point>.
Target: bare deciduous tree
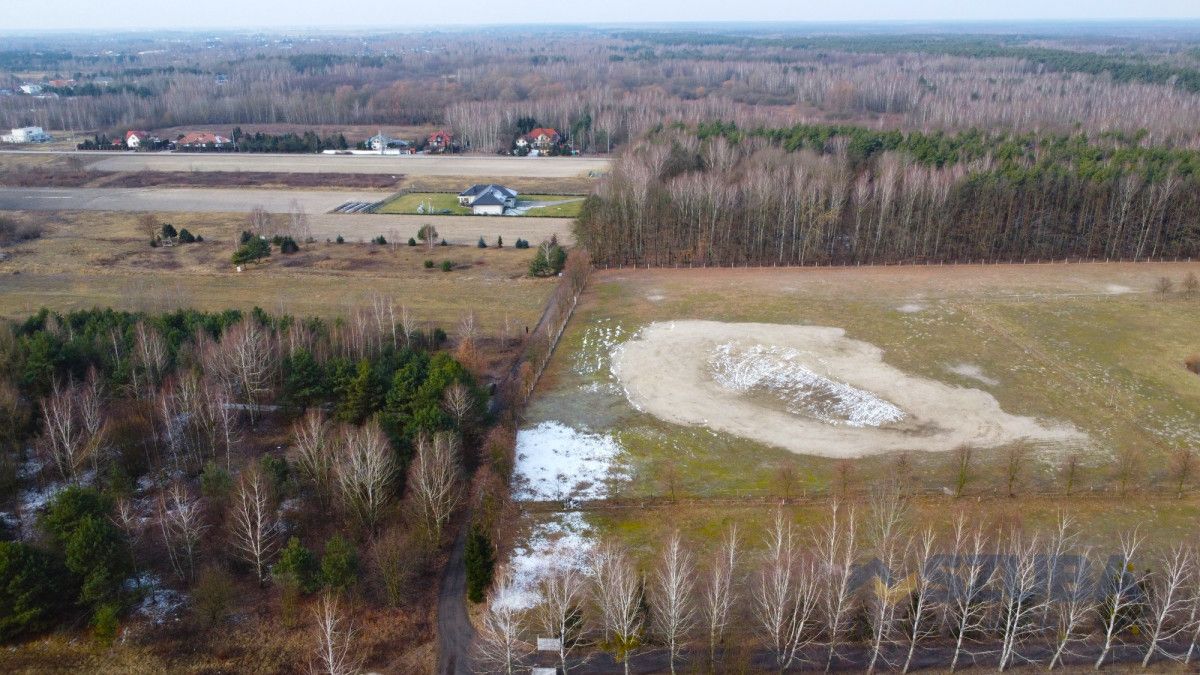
<point>181,523</point>
<point>1167,602</point>
<point>335,650</point>
<point>500,646</point>
<point>921,613</point>
<point>433,481</point>
<point>459,403</point>
<point>618,595</point>
<point>1163,287</point>
<point>1120,587</point>
<point>255,529</point>
<point>1183,466</point>
<point>1071,605</point>
<point>1021,602</point>
<point>886,520</point>
<point>964,471</point>
<point>718,597</point>
<point>315,451</point>
<point>675,612</point>
<point>787,597</point>
<point>836,549</point>
<point>364,473</point>
<point>73,426</point>
<point>560,612</point>
<point>244,361</point>
<point>150,358</point>
<point>966,606</point>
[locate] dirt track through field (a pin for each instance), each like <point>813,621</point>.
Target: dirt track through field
<point>672,370</point>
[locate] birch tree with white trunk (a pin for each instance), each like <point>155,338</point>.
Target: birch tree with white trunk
<point>675,612</point>
<point>255,527</point>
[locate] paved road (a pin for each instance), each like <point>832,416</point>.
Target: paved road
<point>455,632</point>
<point>411,165</point>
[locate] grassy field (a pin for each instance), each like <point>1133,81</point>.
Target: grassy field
<point>446,203</point>
<point>1087,345</point>
<point>104,259</point>
<point>1092,346</point>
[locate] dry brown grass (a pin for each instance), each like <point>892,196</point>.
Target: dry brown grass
<point>104,259</point>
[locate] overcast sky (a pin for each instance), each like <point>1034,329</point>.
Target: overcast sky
<point>137,14</point>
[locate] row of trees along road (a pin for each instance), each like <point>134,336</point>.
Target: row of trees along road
<point>865,588</point>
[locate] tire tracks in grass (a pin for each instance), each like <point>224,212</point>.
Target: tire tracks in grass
<point>1020,339</point>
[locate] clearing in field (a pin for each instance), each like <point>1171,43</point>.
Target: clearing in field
<point>808,389</point>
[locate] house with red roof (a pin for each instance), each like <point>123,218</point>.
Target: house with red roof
<point>540,139</point>
<point>134,139</point>
<point>439,141</point>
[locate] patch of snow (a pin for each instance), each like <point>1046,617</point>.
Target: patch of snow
<point>1117,289</point>
<point>558,463</point>
<point>656,297</point>
<point>911,308</point>
<point>158,604</point>
<point>595,349</point>
<point>566,542</point>
<point>974,372</point>
<point>779,371</point>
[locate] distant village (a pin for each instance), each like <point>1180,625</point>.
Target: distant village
<point>536,142</point>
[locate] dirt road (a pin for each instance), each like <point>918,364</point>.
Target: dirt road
<point>411,165</point>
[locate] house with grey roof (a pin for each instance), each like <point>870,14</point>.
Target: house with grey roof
<point>488,200</point>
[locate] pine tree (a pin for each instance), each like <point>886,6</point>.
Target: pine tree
<point>480,562</point>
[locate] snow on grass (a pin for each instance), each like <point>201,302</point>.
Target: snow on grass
<point>779,370</point>
<point>911,308</point>
<point>595,349</point>
<point>564,543</point>
<point>158,604</point>
<point>558,463</point>
<point>974,372</point>
<point>1117,289</point>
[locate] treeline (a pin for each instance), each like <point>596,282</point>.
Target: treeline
<point>1129,67</point>
<point>309,141</point>
<point>190,446</point>
<point>716,195</point>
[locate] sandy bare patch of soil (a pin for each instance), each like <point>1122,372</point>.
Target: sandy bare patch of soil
<point>810,390</point>
<point>974,372</point>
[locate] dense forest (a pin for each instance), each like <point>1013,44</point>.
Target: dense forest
<point>604,88</point>
<point>713,194</point>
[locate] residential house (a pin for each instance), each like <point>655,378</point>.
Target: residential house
<point>202,139</point>
<point>59,84</point>
<point>488,200</point>
<point>381,143</point>
<point>439,141</point>
<point>26,135</point>
<point>541,139</point>
<point>135,139</point>
<point>31,89</point>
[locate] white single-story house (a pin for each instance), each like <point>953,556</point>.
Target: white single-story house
<point>26,135</point>
<point>488,200</point>
<point>31,89</point>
